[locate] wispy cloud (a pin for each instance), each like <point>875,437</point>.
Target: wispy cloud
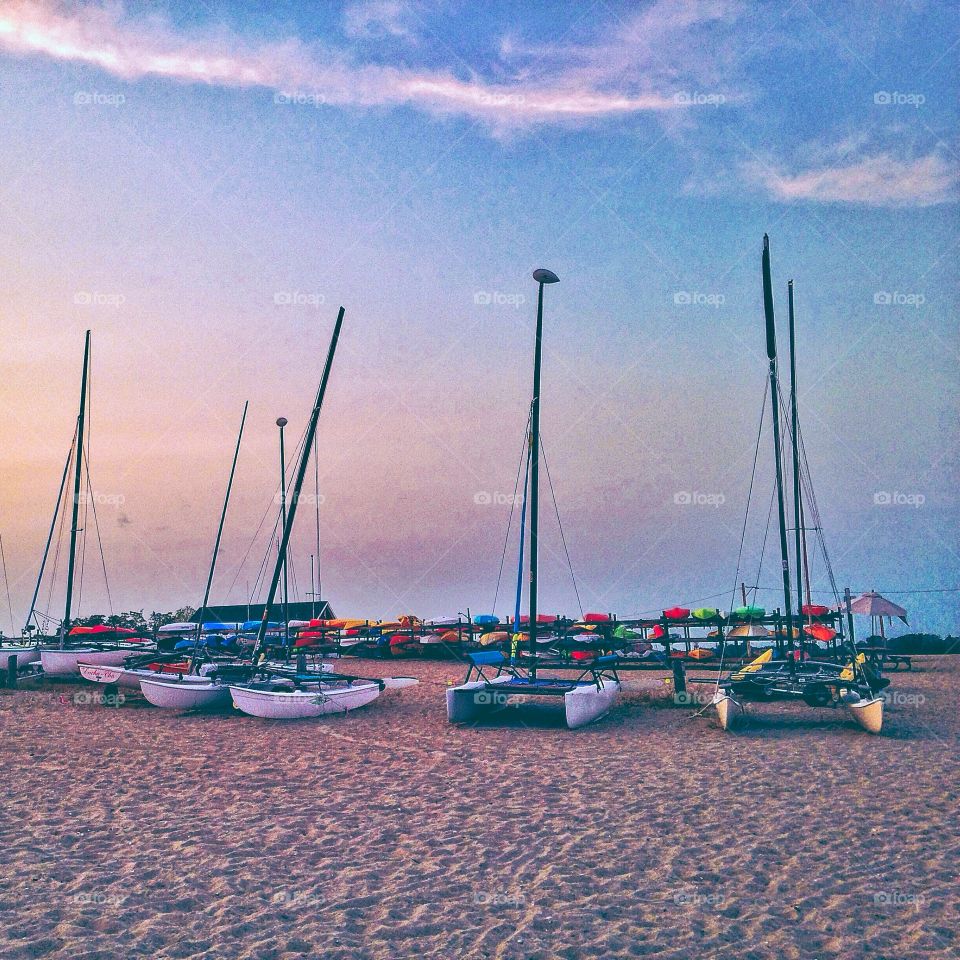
<point>373,19</point>
<point>593,88</point>
<point>879,180</point>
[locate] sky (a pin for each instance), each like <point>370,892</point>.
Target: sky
<point>202,185</point>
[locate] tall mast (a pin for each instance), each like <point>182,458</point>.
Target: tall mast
<point>298,484</point>
<point>542,277</point>
<point>46,549</point>
<point>795,446</point>
<point>223,516</point>
<point>81,421</point>
<point>775,411</point>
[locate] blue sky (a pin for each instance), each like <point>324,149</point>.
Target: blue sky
<point>203,185</point>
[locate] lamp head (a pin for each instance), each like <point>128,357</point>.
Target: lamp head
<point>542,275</point>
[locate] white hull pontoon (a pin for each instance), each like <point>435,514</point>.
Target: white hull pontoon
<point>729,711</point>
<point>264,700</point>
<point>585,702</point>
<point>188,693</point>
<point>130,679</point>
<point>868,713</point>
<point>24,654</point>
<point>66,663</point>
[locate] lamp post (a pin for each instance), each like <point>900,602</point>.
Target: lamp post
<point>281,423</point>
<point>542,277</point>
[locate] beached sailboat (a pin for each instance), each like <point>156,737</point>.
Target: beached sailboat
<point>816,683</point>
<point>594,689</point>
<point>301,694</point>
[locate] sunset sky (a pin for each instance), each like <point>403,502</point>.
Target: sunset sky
<point>203,184</point>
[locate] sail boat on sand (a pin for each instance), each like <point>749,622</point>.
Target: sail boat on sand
<point>596,687</point>
<point>816,683</point>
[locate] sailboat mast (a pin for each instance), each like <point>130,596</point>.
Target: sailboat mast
<point>297,485</point>
<point>775,411</point>
<point>795,447</point>
<point>81,421</point>
<point>535,482</point>
<point>223,516</point>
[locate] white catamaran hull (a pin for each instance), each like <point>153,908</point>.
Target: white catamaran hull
<point>868,713</point>
<point>729,711</point>
<point>189,694</point>
<point>66,663</point>
<point>582,705</point>
<point>298,704</point>
<point>130,679</point>
<point>23,654</point>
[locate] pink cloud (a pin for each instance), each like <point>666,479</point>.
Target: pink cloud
<point>105,38</point>
<point>881,180</point>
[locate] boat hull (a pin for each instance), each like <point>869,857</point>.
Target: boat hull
<point>583,705</point>
<point>729,711</point>
<point>173,694</point>
<point>24,655</point>
<point>868,713</point>
<point>66,663</point>
<point>130,679</point>
<point>300,704</point>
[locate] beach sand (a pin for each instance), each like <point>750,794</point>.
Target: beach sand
<point>132,832</point>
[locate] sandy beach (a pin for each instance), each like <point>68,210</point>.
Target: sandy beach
<point>130,832</point>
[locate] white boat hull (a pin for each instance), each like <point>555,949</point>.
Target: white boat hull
<point>66,663</point>
<point>582,705</point>
<point>729,711</point>
<point>129,679</point>
<point>868,713</point>
<point>189,694</point>
<point>23,654</point>
<point>298,704</point>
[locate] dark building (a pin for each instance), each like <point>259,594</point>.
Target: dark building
<point>239,612</point>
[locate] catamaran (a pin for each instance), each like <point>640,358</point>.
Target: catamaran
<point>816,683</point>
<point>493,679</point>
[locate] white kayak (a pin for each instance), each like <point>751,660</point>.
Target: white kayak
<point>188,693</point>
<point>24,653</point>
<point>66,663</point>
<point>271,701</point>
